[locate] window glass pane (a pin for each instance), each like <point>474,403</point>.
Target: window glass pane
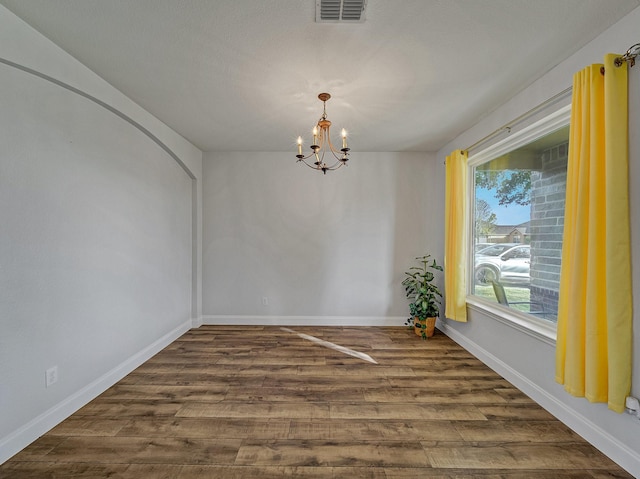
<point>518,224</point>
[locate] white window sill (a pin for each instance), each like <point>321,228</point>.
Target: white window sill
<point>526,323</point>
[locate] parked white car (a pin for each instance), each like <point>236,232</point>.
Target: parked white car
<point>510,266</point>
<point>494,249</point>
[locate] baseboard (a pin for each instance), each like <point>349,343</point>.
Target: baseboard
<point>304,320</point>
<point>596,436</point>
<point>25,435</point>
<point>196,322</point>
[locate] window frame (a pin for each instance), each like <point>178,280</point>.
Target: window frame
<point>526,323</point>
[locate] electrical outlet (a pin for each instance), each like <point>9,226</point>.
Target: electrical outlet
<point>633,406</point>
<point>265,301</point>
<point>51,376</point>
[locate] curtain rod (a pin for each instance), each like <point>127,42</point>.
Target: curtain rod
<point>514,122</point>
<point>629,56</point>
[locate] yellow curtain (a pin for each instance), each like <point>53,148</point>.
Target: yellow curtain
<point>593,351</point>
<point>455,242</point>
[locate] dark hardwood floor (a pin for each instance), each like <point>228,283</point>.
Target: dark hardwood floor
<point>252,402</point>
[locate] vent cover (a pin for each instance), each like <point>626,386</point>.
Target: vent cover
<point>340,11</point>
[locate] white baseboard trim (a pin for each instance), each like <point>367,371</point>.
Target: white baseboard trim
<point>25,435</point>
<point>595,435</point>
<point>304,320</point>
<point>196,322</point>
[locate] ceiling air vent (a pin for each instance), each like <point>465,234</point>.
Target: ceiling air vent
<point>340,11</point>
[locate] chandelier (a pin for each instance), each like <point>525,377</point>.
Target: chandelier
<point>322,144</point>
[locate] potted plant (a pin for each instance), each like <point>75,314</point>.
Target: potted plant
<point>424,296</point>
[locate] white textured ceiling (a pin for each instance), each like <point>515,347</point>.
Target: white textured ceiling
<point>245,74</point>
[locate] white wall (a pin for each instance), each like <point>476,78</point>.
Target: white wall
<point>528,362</point>
<point>98,219</point>
<point>323,249</point>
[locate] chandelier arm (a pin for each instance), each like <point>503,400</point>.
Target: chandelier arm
<point>306,157</point>
<point>329,142</point>
<point>333,150</point>
<point>336,165</point>
<point>338,154</point>
<point>314,166</point>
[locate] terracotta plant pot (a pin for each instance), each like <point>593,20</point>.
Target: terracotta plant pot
<point>430,326</point>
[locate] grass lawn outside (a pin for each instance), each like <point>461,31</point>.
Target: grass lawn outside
<point>515,294</point>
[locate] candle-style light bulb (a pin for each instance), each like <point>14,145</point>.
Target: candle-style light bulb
<point>299,145</point>
<point>315,135</point>
<point>344,138</point>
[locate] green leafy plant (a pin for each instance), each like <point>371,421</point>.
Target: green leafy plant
<point>421,291</point>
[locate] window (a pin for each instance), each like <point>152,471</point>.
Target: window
<point>518,190</point>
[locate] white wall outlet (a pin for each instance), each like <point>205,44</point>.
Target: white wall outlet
<point>632,404</point>
<point>265,301</point>
<point>51,376</point>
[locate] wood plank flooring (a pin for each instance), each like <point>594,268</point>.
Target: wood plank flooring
<point>231,402</point>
